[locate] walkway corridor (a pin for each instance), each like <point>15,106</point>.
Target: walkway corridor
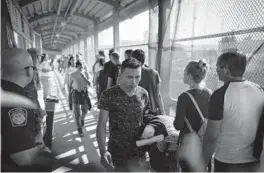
<point>70,150</point>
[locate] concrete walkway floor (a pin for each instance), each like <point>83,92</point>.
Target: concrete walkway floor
<point>71,151</point>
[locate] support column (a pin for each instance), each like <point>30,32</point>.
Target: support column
<point>95,34</point>
<point>164,59</point>
<point>73,47</point>
<point>116,29</point>
<point>78,46</point>
<point>85,50</point>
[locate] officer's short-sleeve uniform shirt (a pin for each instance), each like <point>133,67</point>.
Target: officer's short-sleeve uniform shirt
<point>238,105</point>
<point>18,124</point>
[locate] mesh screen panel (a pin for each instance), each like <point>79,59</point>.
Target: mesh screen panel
<point>207,28</point>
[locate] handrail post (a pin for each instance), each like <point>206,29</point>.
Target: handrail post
<point>163,61</point>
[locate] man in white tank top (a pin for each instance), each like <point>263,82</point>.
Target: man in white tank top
<point>234,115</point>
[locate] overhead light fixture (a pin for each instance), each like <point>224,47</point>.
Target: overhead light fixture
<point>63,23</point>
<point>57,35</point>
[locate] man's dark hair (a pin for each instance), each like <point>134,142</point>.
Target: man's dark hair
<point>115,55</point>
<point>111,51</point>
<point>43,56</point>
<point>78,64</point>
<point>139,54</point>
<point>101,53</point>
<point>236,63</point>
<point>101,61</point>
<point>129,52</point>
<point>130,63</point>
<point>69,61</point>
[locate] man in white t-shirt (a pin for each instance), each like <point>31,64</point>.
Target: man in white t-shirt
<point>234,115</point>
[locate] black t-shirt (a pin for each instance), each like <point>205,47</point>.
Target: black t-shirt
<point>18,124</point>
<point>125,119</point>
<point>108,72</point>
<point>149,80</point>
<point>186,108</point>
<point>116,71</point>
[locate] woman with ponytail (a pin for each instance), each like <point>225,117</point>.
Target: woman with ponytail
<point>188,115</point>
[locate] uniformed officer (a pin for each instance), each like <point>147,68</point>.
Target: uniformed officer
<point>19,149</point>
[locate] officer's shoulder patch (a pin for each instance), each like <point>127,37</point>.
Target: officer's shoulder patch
<point>18,117</point>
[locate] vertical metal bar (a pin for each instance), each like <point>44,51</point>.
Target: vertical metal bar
<point>193,28</point>
<point>160,32</point>
<point>116,28</point>
<point>95,33</point>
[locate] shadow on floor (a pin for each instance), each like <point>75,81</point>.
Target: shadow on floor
<point>72,152</point>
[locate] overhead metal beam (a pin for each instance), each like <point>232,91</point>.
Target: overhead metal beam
<point>56,45</point>
<point>42,6</point>
<point>29,11</point>
<point>45,42</point>
<point>71,34</point>
<point>35,9</point>
<point>50,14</point>
<point>73,6</point>
<point>56,21</point>
<point>64,36</point>
<point>59,7</point>
<point>53,50</point>
<point>49,24</point>
<point>58,41</point>
<point>48,5</point>
<point>23,3</point>
<point>67,31</point>
<point>69,38</point>
<point>112,3</point>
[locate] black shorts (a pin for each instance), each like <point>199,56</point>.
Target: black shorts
<point>81,98</point>
<point>78,97</point>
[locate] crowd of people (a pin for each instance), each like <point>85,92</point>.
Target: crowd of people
<point>225,126</point>
<point>228,122</point>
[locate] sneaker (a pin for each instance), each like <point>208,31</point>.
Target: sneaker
<point>80,132</point>
<point>82,122</point>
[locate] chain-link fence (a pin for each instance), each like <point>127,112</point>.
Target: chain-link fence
<point>207,28</point>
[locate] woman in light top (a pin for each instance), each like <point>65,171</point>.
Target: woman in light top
<point>69,70</point>
<point>45,75</point>
<point>194,75</point>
